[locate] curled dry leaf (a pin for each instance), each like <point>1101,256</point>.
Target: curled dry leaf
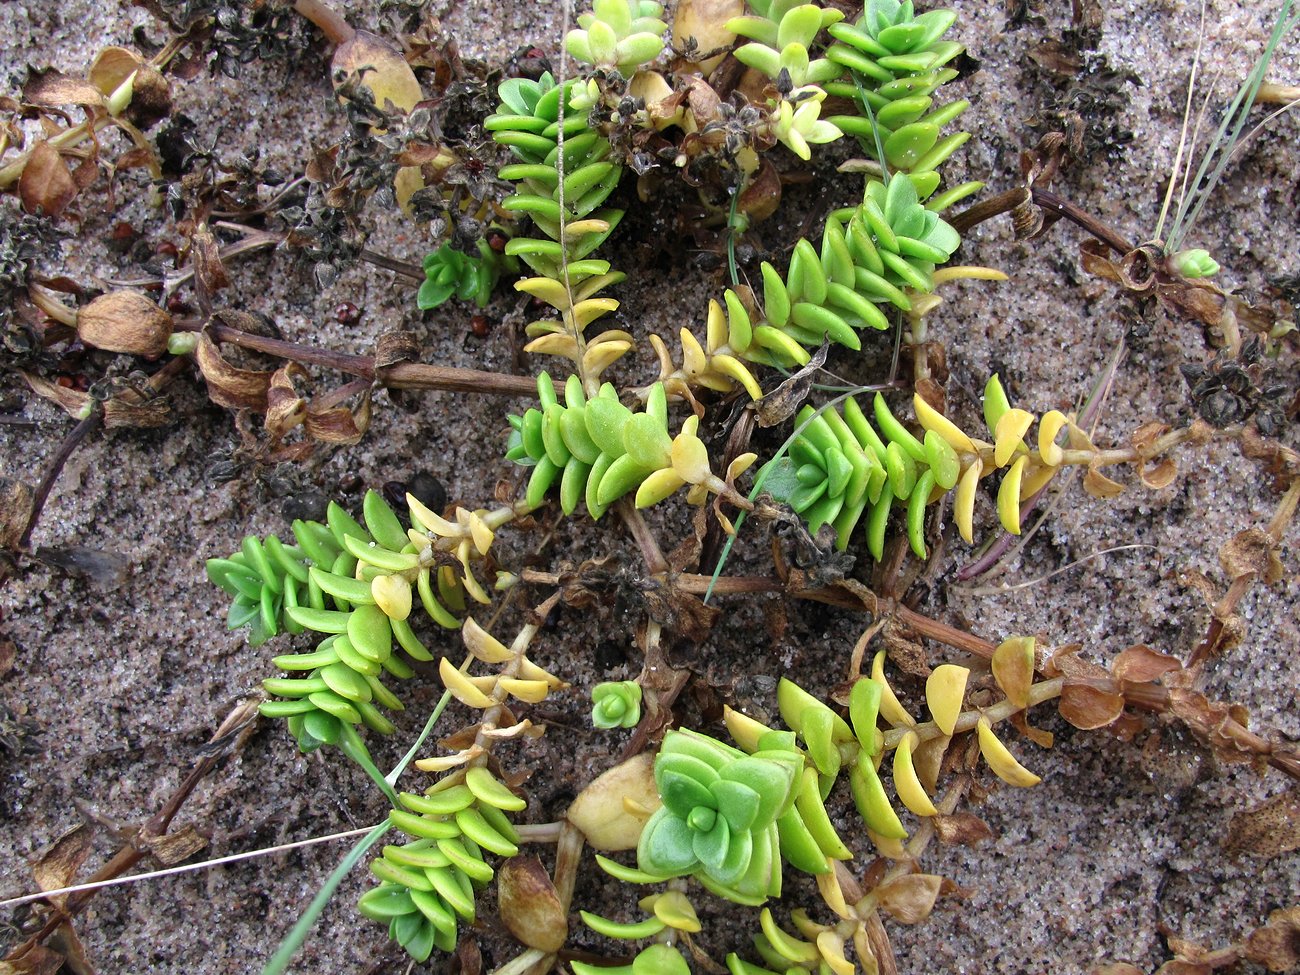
<point>338,424</point>
<point>1142,664</point>
<point>1251,551</point>
<point>530,905</point>
<point>46,185</point>
<point>51,87</point>
<point>285,408</point>
<point>1100,486</point>
<point>32,959</point>
<point>58,866</point>
<point>1159,476</point>
<point>1088,707</point>
<point>1267,829</point>
<point>16,501</point>
<point>74,402</point>
<point>1276,945</point>
<point>705,23</point>
<point>909,899</point>
<point>228,386</point>
<point>961,829</point>
<point>784,401</point>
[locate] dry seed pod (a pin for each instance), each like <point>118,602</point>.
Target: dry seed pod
<point>125,321</point>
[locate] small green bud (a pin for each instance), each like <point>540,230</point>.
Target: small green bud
<point>617,704</point>
<point>1194,263</point>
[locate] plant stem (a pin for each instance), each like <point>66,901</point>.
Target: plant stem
<point>403,375</point>
<point>329,20</point>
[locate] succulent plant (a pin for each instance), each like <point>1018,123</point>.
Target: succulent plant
<point>719,813</point>
<point>618,35</point>
<point>782,35</point>
<point>616,704</point>
<point>599,450</point>
<point>451,272</point>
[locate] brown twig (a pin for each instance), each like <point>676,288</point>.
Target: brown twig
<point>1047,200</point>
<point>403,375</point>
<point>329,20</point>
<point>227,737</point>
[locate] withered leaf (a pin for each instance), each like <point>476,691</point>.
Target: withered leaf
<point>1066,662</point>
<point>1268,828</point>
<point>1250,551</point>
<point>111,67</point>
<point>530,905</point>
<point>58,866</point>
<point>1099,485</point>
<point>1276,945</point>
<point>285,408</point>
<point>209,273</point>
<point>1142,664</point>
<point>1159,476</point>
<point>1087,706</point>
<point>961,829</point>
<point>46,186</point>
<point>338,424</point>
<point>50,87</point>
<point>31,959</point>
<point>16,502</point>
<point>1116,968</point>
<point>64,940</point>
<point>784,401</point>
<point>173,848</point>
<point>228,386</point>
<point>121,411</point>
<point>909,899</point>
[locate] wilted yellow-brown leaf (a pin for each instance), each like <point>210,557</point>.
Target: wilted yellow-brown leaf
<point>909,899</point>
<point>1088,707</point>
<point>529,904</point>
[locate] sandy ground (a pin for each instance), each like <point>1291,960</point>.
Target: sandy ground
<point>113,691</point>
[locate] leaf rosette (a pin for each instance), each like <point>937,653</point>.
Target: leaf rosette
<point>719,815</point>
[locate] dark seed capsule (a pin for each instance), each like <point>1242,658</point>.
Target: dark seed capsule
<point>177,305</point>
<point>428,490</point>
<point>167,249</point>
<point>350,483</point>
<point>347,313</point>
<point>497,240</point>
<point>479,325</point>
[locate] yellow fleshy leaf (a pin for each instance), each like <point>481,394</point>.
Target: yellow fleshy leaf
<point>461,687</point>
<point>1009,496</point>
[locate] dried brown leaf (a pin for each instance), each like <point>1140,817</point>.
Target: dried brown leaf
<point>1144,437</point>
<point>1251,551</point>
<point>1039,736</point>
<point>74,402</point>
<point>46,186</point>
<point>1276,945</point>
<point>16,500</point>
<point>1142,664</point>
<point>1099,485</point>
<point>125,321</point>
<point>209,273</point>
<point>111,67</point>
<point>285,408</point>
<point>171,849</point>
<point>338,424</point>
<point>122,412</point>
<point>1116,968</point>
<point>909,899</point>
<point>784,401</point>
<point>234,388</point>
<point>1267,829</point>
<point>64,940</point>
<point>50,87</point>
<point>1087,707</point>
<point>1066,662</point>
<point>964,829</point>
<point>530,905</point>
<point>31,959</point>
<point>1159,476</point>
<point>58,866</point>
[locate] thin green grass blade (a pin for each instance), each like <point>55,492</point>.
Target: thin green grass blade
<point>1220,150</point>
<point>279,962</point>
